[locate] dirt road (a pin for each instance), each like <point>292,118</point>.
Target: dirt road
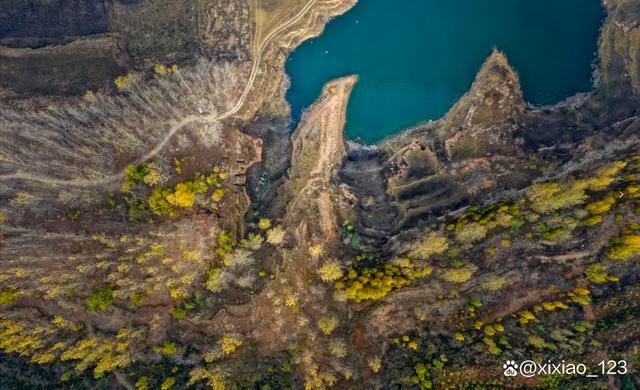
<point>193,118</point>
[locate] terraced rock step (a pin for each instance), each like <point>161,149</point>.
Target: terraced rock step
<point>362,171</point>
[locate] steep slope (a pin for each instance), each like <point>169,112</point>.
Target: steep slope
<point>318,152</point>
<point>423,262</point>
<point>472,149</point>
<point>619,54</point>
<point>482,122</point>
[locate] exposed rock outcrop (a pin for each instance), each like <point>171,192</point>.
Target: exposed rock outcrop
<point>318,152</point>
<point>217,293</point>
<point>471,150</point>
<point>482,122</point>
<point>619,53</point>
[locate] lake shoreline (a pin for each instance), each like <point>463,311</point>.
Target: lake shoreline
<point>413,103</point>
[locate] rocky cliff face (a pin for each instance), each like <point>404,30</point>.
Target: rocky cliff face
<point>483,144</point>
<point>165,262</point>
<point>619,54</point>
<point>318,152</point>
<point>483,121</point>
<point>472,149</point>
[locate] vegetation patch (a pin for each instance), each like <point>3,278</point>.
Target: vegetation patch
<point>101,298</point>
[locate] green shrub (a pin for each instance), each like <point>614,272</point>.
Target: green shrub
<point>601,206</point>
<point>595,273</point>
<point>100,299</point>
<point>158,203</point>
<point>539,342</point>
<point>327,324</point>
<point>168,348</point>
<point>168,383</point>
<point>142,383</point>
<point>133,176</point>
<point>330,271</point>
<point>182,310</point>
<point>8,296</point>
<point>624,247</point>
<point>549,197</point>
<point>422,376</point>
<point>493,282</point>
<point>459,275</point>
<point>433,244</point>
<point>470,233</point>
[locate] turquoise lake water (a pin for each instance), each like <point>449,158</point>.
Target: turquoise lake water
<point>415,58</point>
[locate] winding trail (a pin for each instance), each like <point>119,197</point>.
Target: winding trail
<point>178,126</point>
